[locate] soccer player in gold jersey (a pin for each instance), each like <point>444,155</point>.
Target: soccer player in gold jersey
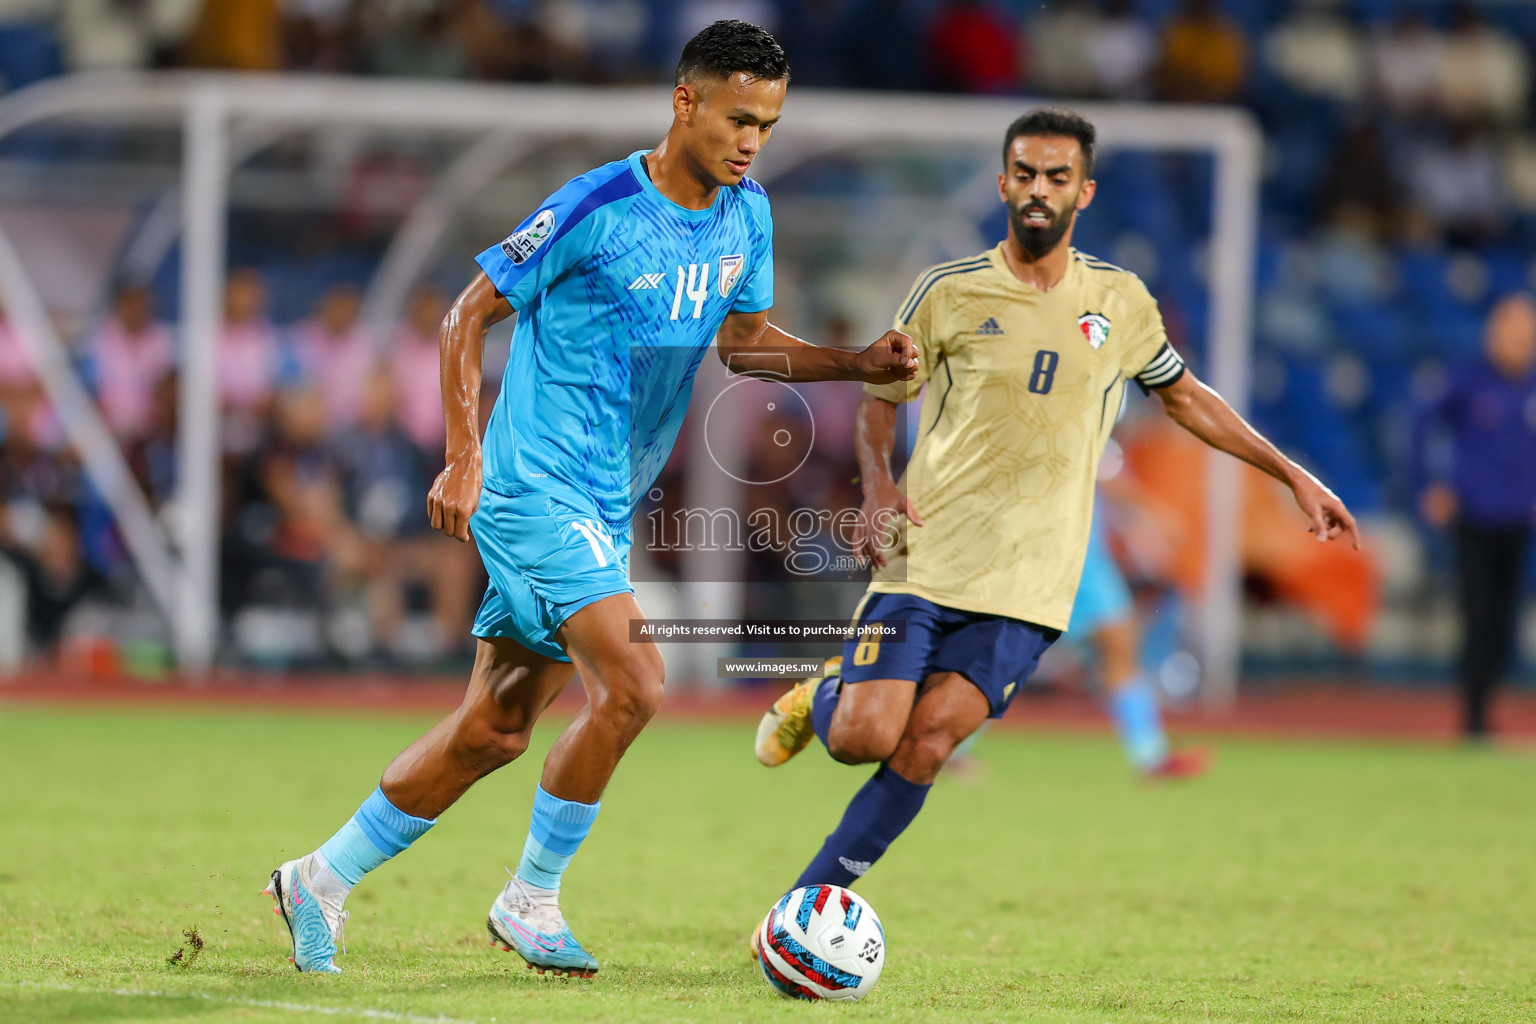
<point>1025,351</point>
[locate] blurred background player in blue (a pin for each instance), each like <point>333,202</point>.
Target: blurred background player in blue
<point>1104,619</point>
<point>1475,458</point>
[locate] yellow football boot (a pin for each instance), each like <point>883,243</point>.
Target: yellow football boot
<point>785,729</point>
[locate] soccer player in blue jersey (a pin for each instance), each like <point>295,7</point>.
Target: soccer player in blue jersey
<point>1104,617</point>
<point>621,280</point>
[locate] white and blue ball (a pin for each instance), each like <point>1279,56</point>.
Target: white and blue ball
<point>821,942</point>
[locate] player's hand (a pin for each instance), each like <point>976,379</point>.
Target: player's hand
<point>455,495</point>
<point>1330,519</point>
<point>892,358</point>
<point>876,517</point>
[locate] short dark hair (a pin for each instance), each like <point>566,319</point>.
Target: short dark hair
<point>726,47</point>
<point>1055,121</point>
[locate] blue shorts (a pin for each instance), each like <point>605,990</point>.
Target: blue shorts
<point>994,652</point>
<point>1102,596</point>
<point>547,556</point>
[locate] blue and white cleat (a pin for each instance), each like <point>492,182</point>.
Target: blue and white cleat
<point>526,921</point>
<point>314,926</point>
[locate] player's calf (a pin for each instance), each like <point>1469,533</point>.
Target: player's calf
<point>950,710</point>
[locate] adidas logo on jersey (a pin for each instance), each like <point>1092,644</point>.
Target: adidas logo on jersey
<point>646,282</point>
<point>990,326</point>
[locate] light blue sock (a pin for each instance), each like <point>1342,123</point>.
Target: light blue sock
<point>1139,722</point>
<point>377,832</point>
<point>554,835</point>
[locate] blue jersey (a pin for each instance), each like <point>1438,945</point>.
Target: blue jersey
<point>619,292</point>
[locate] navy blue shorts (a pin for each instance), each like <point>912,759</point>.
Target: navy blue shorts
<point>994,652</point>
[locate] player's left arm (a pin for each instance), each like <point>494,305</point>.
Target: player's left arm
<point>1204,413</point>
<point>748,344</point>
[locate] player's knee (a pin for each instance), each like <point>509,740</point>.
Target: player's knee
<point>930,752</point>
<point>632,692</point>
<point>864,742</point>
<point>928,746</point>
<point>488,745</point>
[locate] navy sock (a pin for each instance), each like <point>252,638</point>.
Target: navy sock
<point>877,814</point>
<point>823,703</point>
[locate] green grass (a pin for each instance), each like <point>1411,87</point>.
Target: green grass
<point>1299,882</point>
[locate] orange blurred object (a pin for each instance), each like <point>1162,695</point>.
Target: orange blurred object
<point>1337,585</point>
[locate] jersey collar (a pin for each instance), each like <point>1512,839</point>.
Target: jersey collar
<point>1000,265</point>
<point>650,189</point>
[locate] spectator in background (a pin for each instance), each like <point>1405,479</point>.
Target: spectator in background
<point>248,359</point>
<point>334,355</point>
<point>971,49</point>
<point>1406,64</point>
<point>599,40</point>
<point>152,456</point>
<point>1361,184</point>
<point>287,518</point>
<point>52,561</point>
<point>814,31</point>
<point>1123,51</point>
<point>1205,57</point>
<point>1318,53</point>
<point>1057,41</point>
<point>117,35</point>
<point>320,35</point>
<point>1484,74</point>
<point>425,42</point>
<point>1457,186</point>
<point>694,15</point>
<point>22,401</point>
<point>385,477</point>
<point>414,359</point>
<point>240,35</point>
<point>880,41</point>
<point>132,353</point>
<point>1482,484</point>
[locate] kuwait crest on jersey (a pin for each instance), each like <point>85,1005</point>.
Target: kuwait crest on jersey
<point>1095,327</point>
<point>730,270</point>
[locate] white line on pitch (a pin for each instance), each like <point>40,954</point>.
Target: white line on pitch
<point>263,1004</point>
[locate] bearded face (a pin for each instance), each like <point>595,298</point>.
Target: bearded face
<point>1037,226</point>
<point>1044,185</point>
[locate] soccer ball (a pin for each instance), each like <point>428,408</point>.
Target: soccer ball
<point>821,942</point>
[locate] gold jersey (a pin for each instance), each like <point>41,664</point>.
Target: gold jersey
<point>1022,390</point>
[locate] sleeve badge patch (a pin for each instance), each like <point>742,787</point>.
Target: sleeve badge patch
<point>522,244</point>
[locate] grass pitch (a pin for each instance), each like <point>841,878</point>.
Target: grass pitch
<point>1299,882</point>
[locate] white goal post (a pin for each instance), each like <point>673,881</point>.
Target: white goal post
<point>214,111</point>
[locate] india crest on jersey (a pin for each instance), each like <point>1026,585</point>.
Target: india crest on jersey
<point>1095,327</point>
<point>730,270</point>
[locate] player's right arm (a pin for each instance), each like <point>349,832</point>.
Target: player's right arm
<point>461,344</point>
<point>875,429</point>
<point>549,242</point>
<point>874,440</point>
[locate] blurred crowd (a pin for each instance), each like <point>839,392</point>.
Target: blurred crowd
<point>1399,204</point>
<point>331,438</point>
